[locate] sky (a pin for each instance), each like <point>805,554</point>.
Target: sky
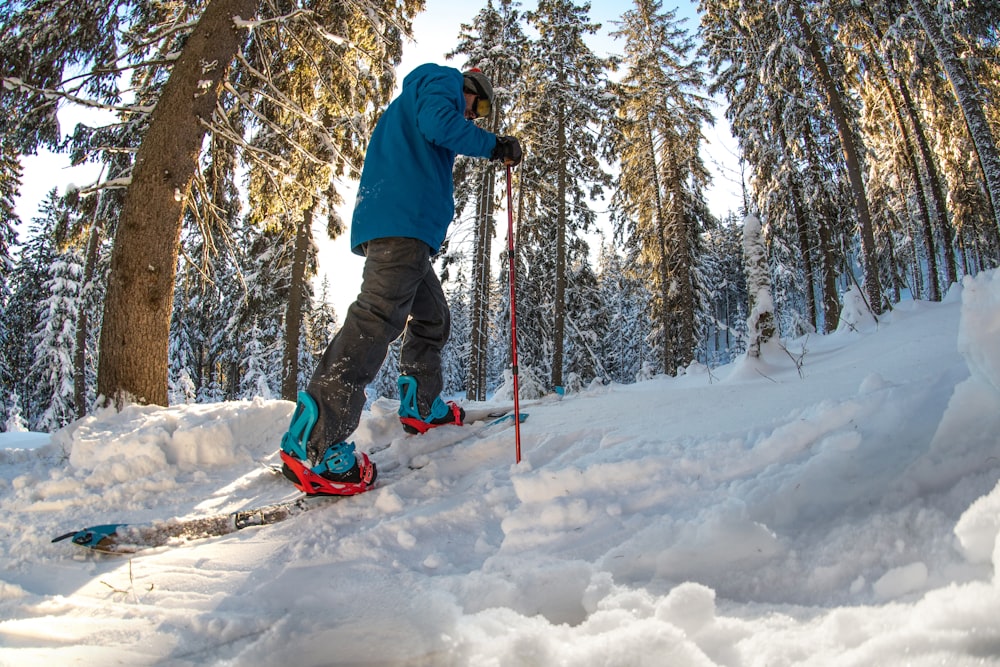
<point>435,31</point>
<point>835,503</point>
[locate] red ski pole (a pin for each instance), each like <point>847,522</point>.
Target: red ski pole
<point>513,319</point>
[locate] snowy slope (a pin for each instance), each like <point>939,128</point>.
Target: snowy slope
<point>836,504</point>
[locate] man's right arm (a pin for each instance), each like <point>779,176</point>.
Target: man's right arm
<point>442,122</point>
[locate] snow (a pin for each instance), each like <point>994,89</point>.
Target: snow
<point>835,502</point>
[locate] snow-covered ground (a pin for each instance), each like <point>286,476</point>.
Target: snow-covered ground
<point>833,505</point>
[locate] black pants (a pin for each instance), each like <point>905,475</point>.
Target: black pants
<point>398,284</point>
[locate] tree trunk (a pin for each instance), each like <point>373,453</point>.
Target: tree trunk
<point>293,310</point>
<point>934,181</point>
<point>831,301</point>
<point>134,335</point>
<point>915,140</point>
<point>683,291</point>
<point>851,158</point>
<point>922,207</point>
<point>761,327</point>
<point>559,332</point>
<point>966,92</point>
<point>481,280</point>
<point>796,203</point>
<point>659,223</point>
<point>82,321</point>
<point>827,248</point>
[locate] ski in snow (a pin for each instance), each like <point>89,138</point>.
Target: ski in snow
<point>125,538</point>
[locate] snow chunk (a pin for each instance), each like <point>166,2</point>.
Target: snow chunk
<point>978,528</point>
<point>873,383</point>
<point>855,315</point>
<point>9,591</point>
<point>979,327</point>
<point>141,440</point>
<point>690,607</point>
<point>899,581</point>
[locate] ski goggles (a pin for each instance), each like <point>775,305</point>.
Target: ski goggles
<point>482,107</point>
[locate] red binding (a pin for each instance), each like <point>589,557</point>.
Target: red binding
<point>421,427</point>
<point>314,485</point>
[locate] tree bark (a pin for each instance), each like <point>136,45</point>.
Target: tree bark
<point>481,280</point>
<point>660,226</point>
<point>134,335</point>
<point>559,332</point>
<point>293,310</point>
<point>82,322</point>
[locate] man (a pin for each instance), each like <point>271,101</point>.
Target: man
<point>404,206</point>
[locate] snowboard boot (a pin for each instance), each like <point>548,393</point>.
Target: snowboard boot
<point>340,472</point>
<point>409,414</point>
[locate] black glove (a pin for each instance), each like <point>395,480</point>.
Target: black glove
<point>508,150</point>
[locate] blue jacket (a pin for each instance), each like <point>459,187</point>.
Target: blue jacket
<point>406,186</point>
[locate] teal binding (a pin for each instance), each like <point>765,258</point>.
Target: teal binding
<point>408,401</point>
<point>303,420</point>
<point>91,537</point>
<point>408,397</point>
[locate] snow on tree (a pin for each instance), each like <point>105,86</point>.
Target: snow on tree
<point>531,384</point>
<point>726,315</point>
<point>10,180</point>
<point>55,341</point>
<point>255,382</point>
<point>455,355</point>
<point>21,317</point>
<point>761,326</point>
<point>14,422</point>
<point>624,301</point>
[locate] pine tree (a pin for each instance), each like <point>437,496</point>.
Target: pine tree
<point>10,180</point>
<point>625,301</point>
<point>14,421</point>
<point>21,317</point>
<point>583,360</point>
<point>724,264</point>
<point>139,300</point>
<point>312,125</point>
<point>181,385</point>
<point>566,99</point>
<point>255,382</point>
<point>385,383</point>
<point>495,44</point>
<point>322,323</point>
<point>54,343</point>
<point>656,134</point>
<point>818,46</point>
<point>456,353</point>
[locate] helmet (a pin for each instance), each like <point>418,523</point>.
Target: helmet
<point>477,83</point>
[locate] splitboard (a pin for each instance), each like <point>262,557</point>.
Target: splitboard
<point>129,538</point>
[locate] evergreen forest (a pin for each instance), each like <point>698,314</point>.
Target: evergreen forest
<point>867,135</point>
